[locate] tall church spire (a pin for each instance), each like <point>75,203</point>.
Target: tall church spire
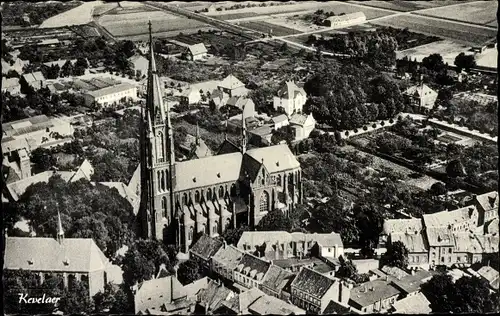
<point>60,231</point>
<point>243,132</point>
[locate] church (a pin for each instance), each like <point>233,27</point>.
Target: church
<point>235,187</point>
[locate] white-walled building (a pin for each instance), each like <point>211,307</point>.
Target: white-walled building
<point>291,98</point>
<point>302,125</point>
<point>110,95</point>
<point>196,52</point>
<point>346,19</point>
<point>191,96</point>
<point>34,132</point>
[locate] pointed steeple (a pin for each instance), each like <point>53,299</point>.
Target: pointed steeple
<point>227,119</point>
<point>197,134</point>
<point>60,231</point>
<point>243,132</point>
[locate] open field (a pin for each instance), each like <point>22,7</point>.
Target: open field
<point>76,16</point>
<point>447,49</point>
<point>235,16</point>
<point>98,10</point>
<point>405,6</point>
<point>465,34</point>
<point>265,27</point>
<point>122,25</point>
<point>336,7</point>
<point>483,13</point>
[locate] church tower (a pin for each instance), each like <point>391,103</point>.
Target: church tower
<point>157,158</point>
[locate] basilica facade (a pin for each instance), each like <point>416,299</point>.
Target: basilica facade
<point>237,186</point>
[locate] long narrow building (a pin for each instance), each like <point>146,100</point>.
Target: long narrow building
<point>237,186</point>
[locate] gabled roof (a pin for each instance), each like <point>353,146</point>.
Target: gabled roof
<point>229,257</point>
<point>280,118</point>
<point>46,254</point>
<point>250,167</point>
<point>240,303</point>
<point>337,308</point>
<point>290,90</point>
<point>414,304</point>
<point>214,295</point>
<point>259,238</point>
<point>394,271</point>
<point>371,292</point>
<point>402,225</point>
<point>276,158</point>
<point>34,76</point>
<point>346,17</point>
<point>440,236</point>
<point>85,171</point>
<point>474,243</point>
<point>488,201</point>
<point>301,119</point>
<point>312,282</point>
<point>270,305</point>
<point>111,90</point>
<point>419,91</point>
<point>277,278</point>
<point>228,147</point>
<point>262,130</point>
<point>9,82</point>
<point>208,171</point>
<point>206,247</point>
<point>413,242</point>
<point>231,82</point>
<point>489,274</point>
<point>253,267</point>
<point>445,218</point>
<point>197,49</point>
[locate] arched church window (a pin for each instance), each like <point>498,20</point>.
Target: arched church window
<point>216,227</point>
<point>197,196</point>
<point>184,199</point>
<point>279,180</point>
<point>221,192</point>
<point>167,182</point>
<point>209,194</point>
<point>160,147</point>
<point>264,202</point>
<point>164,207</point>
<point>162,181</point>
<point>190,235</point>
<point>158,174</point>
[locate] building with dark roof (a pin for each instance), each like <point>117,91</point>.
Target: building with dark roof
<point>313,291</point>
<point>291,98</point>
<point>277,282</point>
<point>203,250</point>
<point>225,261</point>
<point>210,299</point>
<point>250,271</point>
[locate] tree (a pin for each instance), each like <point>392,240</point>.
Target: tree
<point>43,159</point>
<point>143,260</point>
<point>438,189</point>
<point>466,62</point>
<point>114,299</point>
<point>455,169</point>
<point>396,255</point>
<point>433,62</point>
<point>189,271</point>
<point>67,69</point>
<point>467,295</point>
<point>77,300</point>
<point>347,268</point>
<point>283,134</point>
<point>232,235</point>
<point>275,220</point>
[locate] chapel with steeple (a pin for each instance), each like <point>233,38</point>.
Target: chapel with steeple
<point>207,195</point>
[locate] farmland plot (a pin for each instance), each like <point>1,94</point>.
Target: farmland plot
<point>483,12</point>
<point>265,27</point>
<point>336,7</point>
<point>405,6</point>
<point>137,23</point>
<point>458,32</point>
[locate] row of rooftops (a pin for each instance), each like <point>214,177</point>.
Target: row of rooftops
<point>254,239</point>
<point>440,229</point>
